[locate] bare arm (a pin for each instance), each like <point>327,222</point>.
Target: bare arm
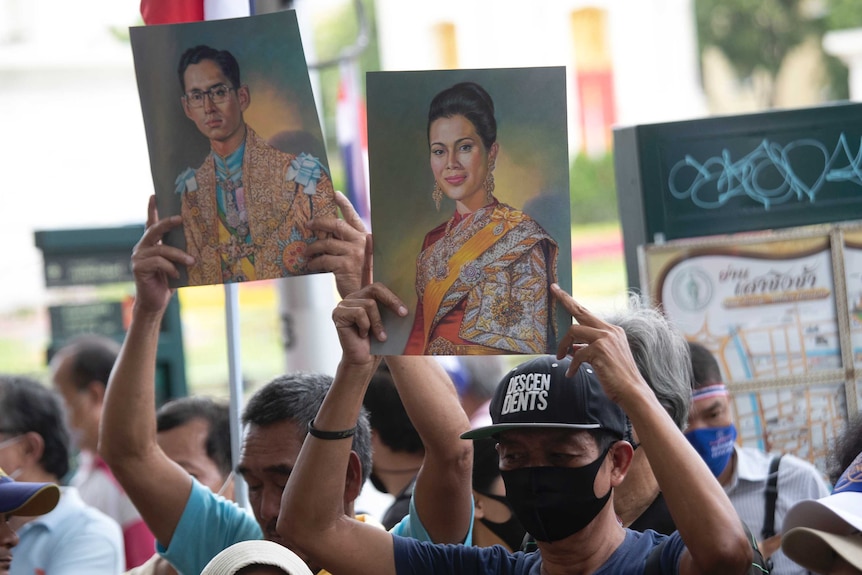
<point>706,520</point>
<point>444,491</point>
<point>312,516</point>
<point>157,486</point>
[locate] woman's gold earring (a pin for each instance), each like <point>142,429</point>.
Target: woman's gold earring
<point>489,186</point>
<point>437,194</point>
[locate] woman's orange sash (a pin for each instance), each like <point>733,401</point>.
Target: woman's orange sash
<point>469,251</point>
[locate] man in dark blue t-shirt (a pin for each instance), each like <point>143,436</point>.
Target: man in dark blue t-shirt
<point>559,423</point>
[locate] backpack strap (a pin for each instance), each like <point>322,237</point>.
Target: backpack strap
<point>771,495</point>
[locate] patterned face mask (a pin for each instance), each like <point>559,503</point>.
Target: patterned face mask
<point>714,445</point>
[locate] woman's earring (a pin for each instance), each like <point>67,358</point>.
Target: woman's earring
<point>489,186</point>
<point>437,194</point>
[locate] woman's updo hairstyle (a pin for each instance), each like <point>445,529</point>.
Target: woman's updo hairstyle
<point>470,100</point>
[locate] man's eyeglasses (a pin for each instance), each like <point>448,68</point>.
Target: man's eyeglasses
<point>11,441</point>
<point>216,94</point>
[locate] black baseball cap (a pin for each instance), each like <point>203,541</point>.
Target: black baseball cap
<point>537,393</point>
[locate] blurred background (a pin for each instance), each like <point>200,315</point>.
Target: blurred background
<point>74,154</point>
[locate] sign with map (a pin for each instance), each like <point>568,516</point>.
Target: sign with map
<point>782,313</point>
<point>767,307</point>
<point>800,420</point>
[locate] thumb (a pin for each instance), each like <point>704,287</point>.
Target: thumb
<point>368,261</point>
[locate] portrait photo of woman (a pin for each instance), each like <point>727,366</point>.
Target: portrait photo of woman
<point>482,274</point>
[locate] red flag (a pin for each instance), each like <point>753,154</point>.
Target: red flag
<point>177,11</point>
<point>171,11</point>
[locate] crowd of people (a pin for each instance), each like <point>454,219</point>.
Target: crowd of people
<point>617,454</point>
<point>614,454</point>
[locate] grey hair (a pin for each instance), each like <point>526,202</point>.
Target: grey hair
<point>297,397</point>
<point>661,354</point>
<point>26,405</point>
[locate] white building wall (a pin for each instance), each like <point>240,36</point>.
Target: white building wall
<point>653,46</point>
<point>74,149</point>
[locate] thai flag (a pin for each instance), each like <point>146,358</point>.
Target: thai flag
<point>176,11</point>
<point>350,126</point>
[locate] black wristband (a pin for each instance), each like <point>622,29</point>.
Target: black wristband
<point>314,432</point>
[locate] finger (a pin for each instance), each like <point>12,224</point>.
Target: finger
<point>337,228</point>
<point>576,335</point>
<point>579,312</point>
<point>154,265</point>
<point>169,253</point>
<point>579,353</point>
<point>153,234</point>
<point>367,262</point>
<point>349,213</point>
<point>347,315</point>
<point>328,246</point>
<point>326,263</point>
<point>375,319</point>
<point>387,298</point>
<point>152,211</point>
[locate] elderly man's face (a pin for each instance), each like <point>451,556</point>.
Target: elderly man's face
<point>269,453</point>
<point>186,445</point>
<point>217,121</point>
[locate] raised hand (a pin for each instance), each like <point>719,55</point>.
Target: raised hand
<point>342,252</point>
<point>602,345</point>
<point>357,317</point>
<point>154,262</point>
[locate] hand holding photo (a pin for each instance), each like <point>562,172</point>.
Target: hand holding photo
<point>246,204</point>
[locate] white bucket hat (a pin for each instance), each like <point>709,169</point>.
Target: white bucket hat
<point>815,529</point>
<point>258,552</point>
<point>815,550</point>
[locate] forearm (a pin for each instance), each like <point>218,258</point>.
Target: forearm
<point>431,401</point>
<point>312,517</point>
<point>128,425</point>
<point>704,516</point>
<point>432,404</point>
<point>312,503</point>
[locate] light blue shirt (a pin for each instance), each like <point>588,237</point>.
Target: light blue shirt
<point>412,527</point>
<point>73,539</point>
<point>210,523</point>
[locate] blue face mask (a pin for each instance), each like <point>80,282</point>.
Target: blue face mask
<point>714,445</point>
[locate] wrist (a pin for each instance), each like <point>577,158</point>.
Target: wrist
<point>145,315</point>
<point>366,364</point>
<point>330,435</point>
<point>639,401</point>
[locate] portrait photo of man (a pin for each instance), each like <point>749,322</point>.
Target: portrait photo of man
<point>245,200</point>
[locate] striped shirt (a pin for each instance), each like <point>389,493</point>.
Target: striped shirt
<point>797,480</point>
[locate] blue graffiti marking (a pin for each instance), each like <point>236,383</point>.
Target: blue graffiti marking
<point>711,184</point>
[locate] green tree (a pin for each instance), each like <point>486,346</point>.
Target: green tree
<point>593,189</point>
<point>841,14</point>
<point>756,36</point>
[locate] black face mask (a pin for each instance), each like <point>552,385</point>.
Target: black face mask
<point>510,531</point>
<point>553,503</point>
